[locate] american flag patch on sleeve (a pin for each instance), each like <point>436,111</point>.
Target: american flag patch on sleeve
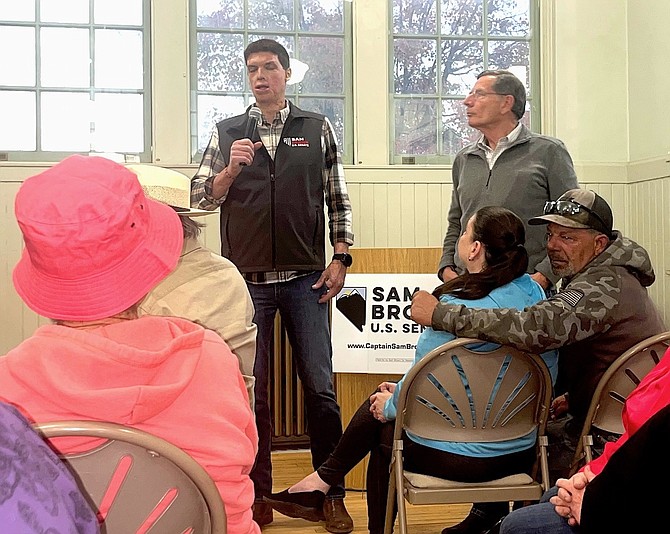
<point>570,296</point>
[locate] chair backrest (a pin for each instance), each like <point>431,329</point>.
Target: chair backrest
<point>620,379</point>
<point>609,397</point>
<point>458,394</point>
<point>140,483</point>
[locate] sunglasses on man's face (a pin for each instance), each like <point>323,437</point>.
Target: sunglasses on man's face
<point>570,207</point>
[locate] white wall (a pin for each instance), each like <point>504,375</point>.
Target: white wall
<point>649,79</point>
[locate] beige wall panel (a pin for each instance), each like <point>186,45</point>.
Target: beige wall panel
<point>406,214</point>
<point>591,79</point>
<point>365,233</point>
<point>648,78</point>
<point>435,211</point>
<point>380,213</point>
<point>421,214</point>
<point>395,217</point>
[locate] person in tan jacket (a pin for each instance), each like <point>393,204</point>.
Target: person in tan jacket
<point>205,288</point>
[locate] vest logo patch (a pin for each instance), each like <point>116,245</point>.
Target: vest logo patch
<point>296,141</point>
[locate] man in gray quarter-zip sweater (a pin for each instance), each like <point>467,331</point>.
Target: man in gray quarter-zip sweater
<point>508,166</point>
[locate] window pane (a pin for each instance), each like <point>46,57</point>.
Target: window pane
<point>415,126</point>
<point>333,108</point>
<point>513,56</point>
<point>17,11</point>
<point>66,122</point>
<point>220,63</point>
<point>118,59</point>
<point>212,109</point>
<point>456,133</point>
<point>462,17</point>
<point>65,57</point>
<point>125,12</point>
<point>17,68</point>
<point>118,123</point>
<point>509,17</point>
<point>73,11</point>
<point>226,14</point>
<point>414,70</point>
<point>311,31</point>
<point>270,15</point>
<point>472,35</point>
<point>411,17</point>
<point>462,60</point>
<point>325,57</point>
<point>322,16</point>
<point>18,109</point>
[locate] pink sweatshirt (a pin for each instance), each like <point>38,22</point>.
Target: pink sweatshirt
<point>164,375</point>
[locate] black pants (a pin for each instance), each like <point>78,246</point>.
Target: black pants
<point>365,434</point>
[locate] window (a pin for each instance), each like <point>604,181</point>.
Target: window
<point>76,80</point>
<point>315,32</point>
<point>438,48</point>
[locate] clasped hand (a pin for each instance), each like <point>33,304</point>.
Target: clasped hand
<point>568,501</point>
<point>378,400</point>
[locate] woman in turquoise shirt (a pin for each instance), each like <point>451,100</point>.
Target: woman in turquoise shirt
<point>492,248</point>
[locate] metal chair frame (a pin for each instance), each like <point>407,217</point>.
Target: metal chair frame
<point>609,397</point>
<point>458,394</point>
<point>138,482</point>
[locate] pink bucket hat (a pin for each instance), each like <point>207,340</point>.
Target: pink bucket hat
<point>94,243</point>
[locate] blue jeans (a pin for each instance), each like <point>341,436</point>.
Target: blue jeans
<point>538,518</point>
<point>308,328</point>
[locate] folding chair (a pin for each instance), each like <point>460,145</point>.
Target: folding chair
<point>459,395</point>
<point>620,379</point>
<point>139,483</point>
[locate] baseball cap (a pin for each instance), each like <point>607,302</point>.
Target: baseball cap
<point>94,244</point>
<point>578,208</point>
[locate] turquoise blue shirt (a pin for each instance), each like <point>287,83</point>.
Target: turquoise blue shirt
<point>519,293</point>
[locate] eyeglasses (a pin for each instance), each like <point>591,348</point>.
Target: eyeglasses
<point>478,94</point>
<point>569,207</point>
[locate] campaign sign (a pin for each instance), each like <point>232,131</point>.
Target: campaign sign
<point>372,331</point>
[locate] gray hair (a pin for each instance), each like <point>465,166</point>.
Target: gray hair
<point>507,83</point>
<point>192,229</point>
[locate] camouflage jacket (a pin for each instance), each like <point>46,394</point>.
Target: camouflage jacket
<point>597,315</point>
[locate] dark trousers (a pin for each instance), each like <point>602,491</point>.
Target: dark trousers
<point>308,329</point>
<point>365,434</point>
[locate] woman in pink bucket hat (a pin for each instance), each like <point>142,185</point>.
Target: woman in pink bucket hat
<point>95,245</point>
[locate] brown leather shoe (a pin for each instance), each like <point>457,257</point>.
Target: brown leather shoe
<point>262,513</point>
<point>338,519</point>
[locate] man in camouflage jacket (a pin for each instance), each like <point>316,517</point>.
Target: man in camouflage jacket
<point>601,310</point>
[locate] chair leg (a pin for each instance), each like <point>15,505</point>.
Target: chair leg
<point>390,500</point>
<point>400,494</point>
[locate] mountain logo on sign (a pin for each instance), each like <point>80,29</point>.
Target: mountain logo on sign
<point>351,303</point>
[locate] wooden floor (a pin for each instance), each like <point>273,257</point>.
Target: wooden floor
<point>291,466</point>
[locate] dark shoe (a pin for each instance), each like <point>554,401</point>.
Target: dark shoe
<point>304,505</point>
<point>262,513</point>
<point>338,519</point>
<point>475,524</point>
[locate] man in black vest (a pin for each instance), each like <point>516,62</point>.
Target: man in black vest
<point>272,183</point>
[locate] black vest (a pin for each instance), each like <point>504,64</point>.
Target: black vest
<point>273,217</point>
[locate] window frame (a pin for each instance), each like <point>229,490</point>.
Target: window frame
<point>347,146</point>
<point>533,104</point>
<point>49,156</point>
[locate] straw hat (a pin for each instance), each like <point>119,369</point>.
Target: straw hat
<point>167,186</point>
<point>94,243</point>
